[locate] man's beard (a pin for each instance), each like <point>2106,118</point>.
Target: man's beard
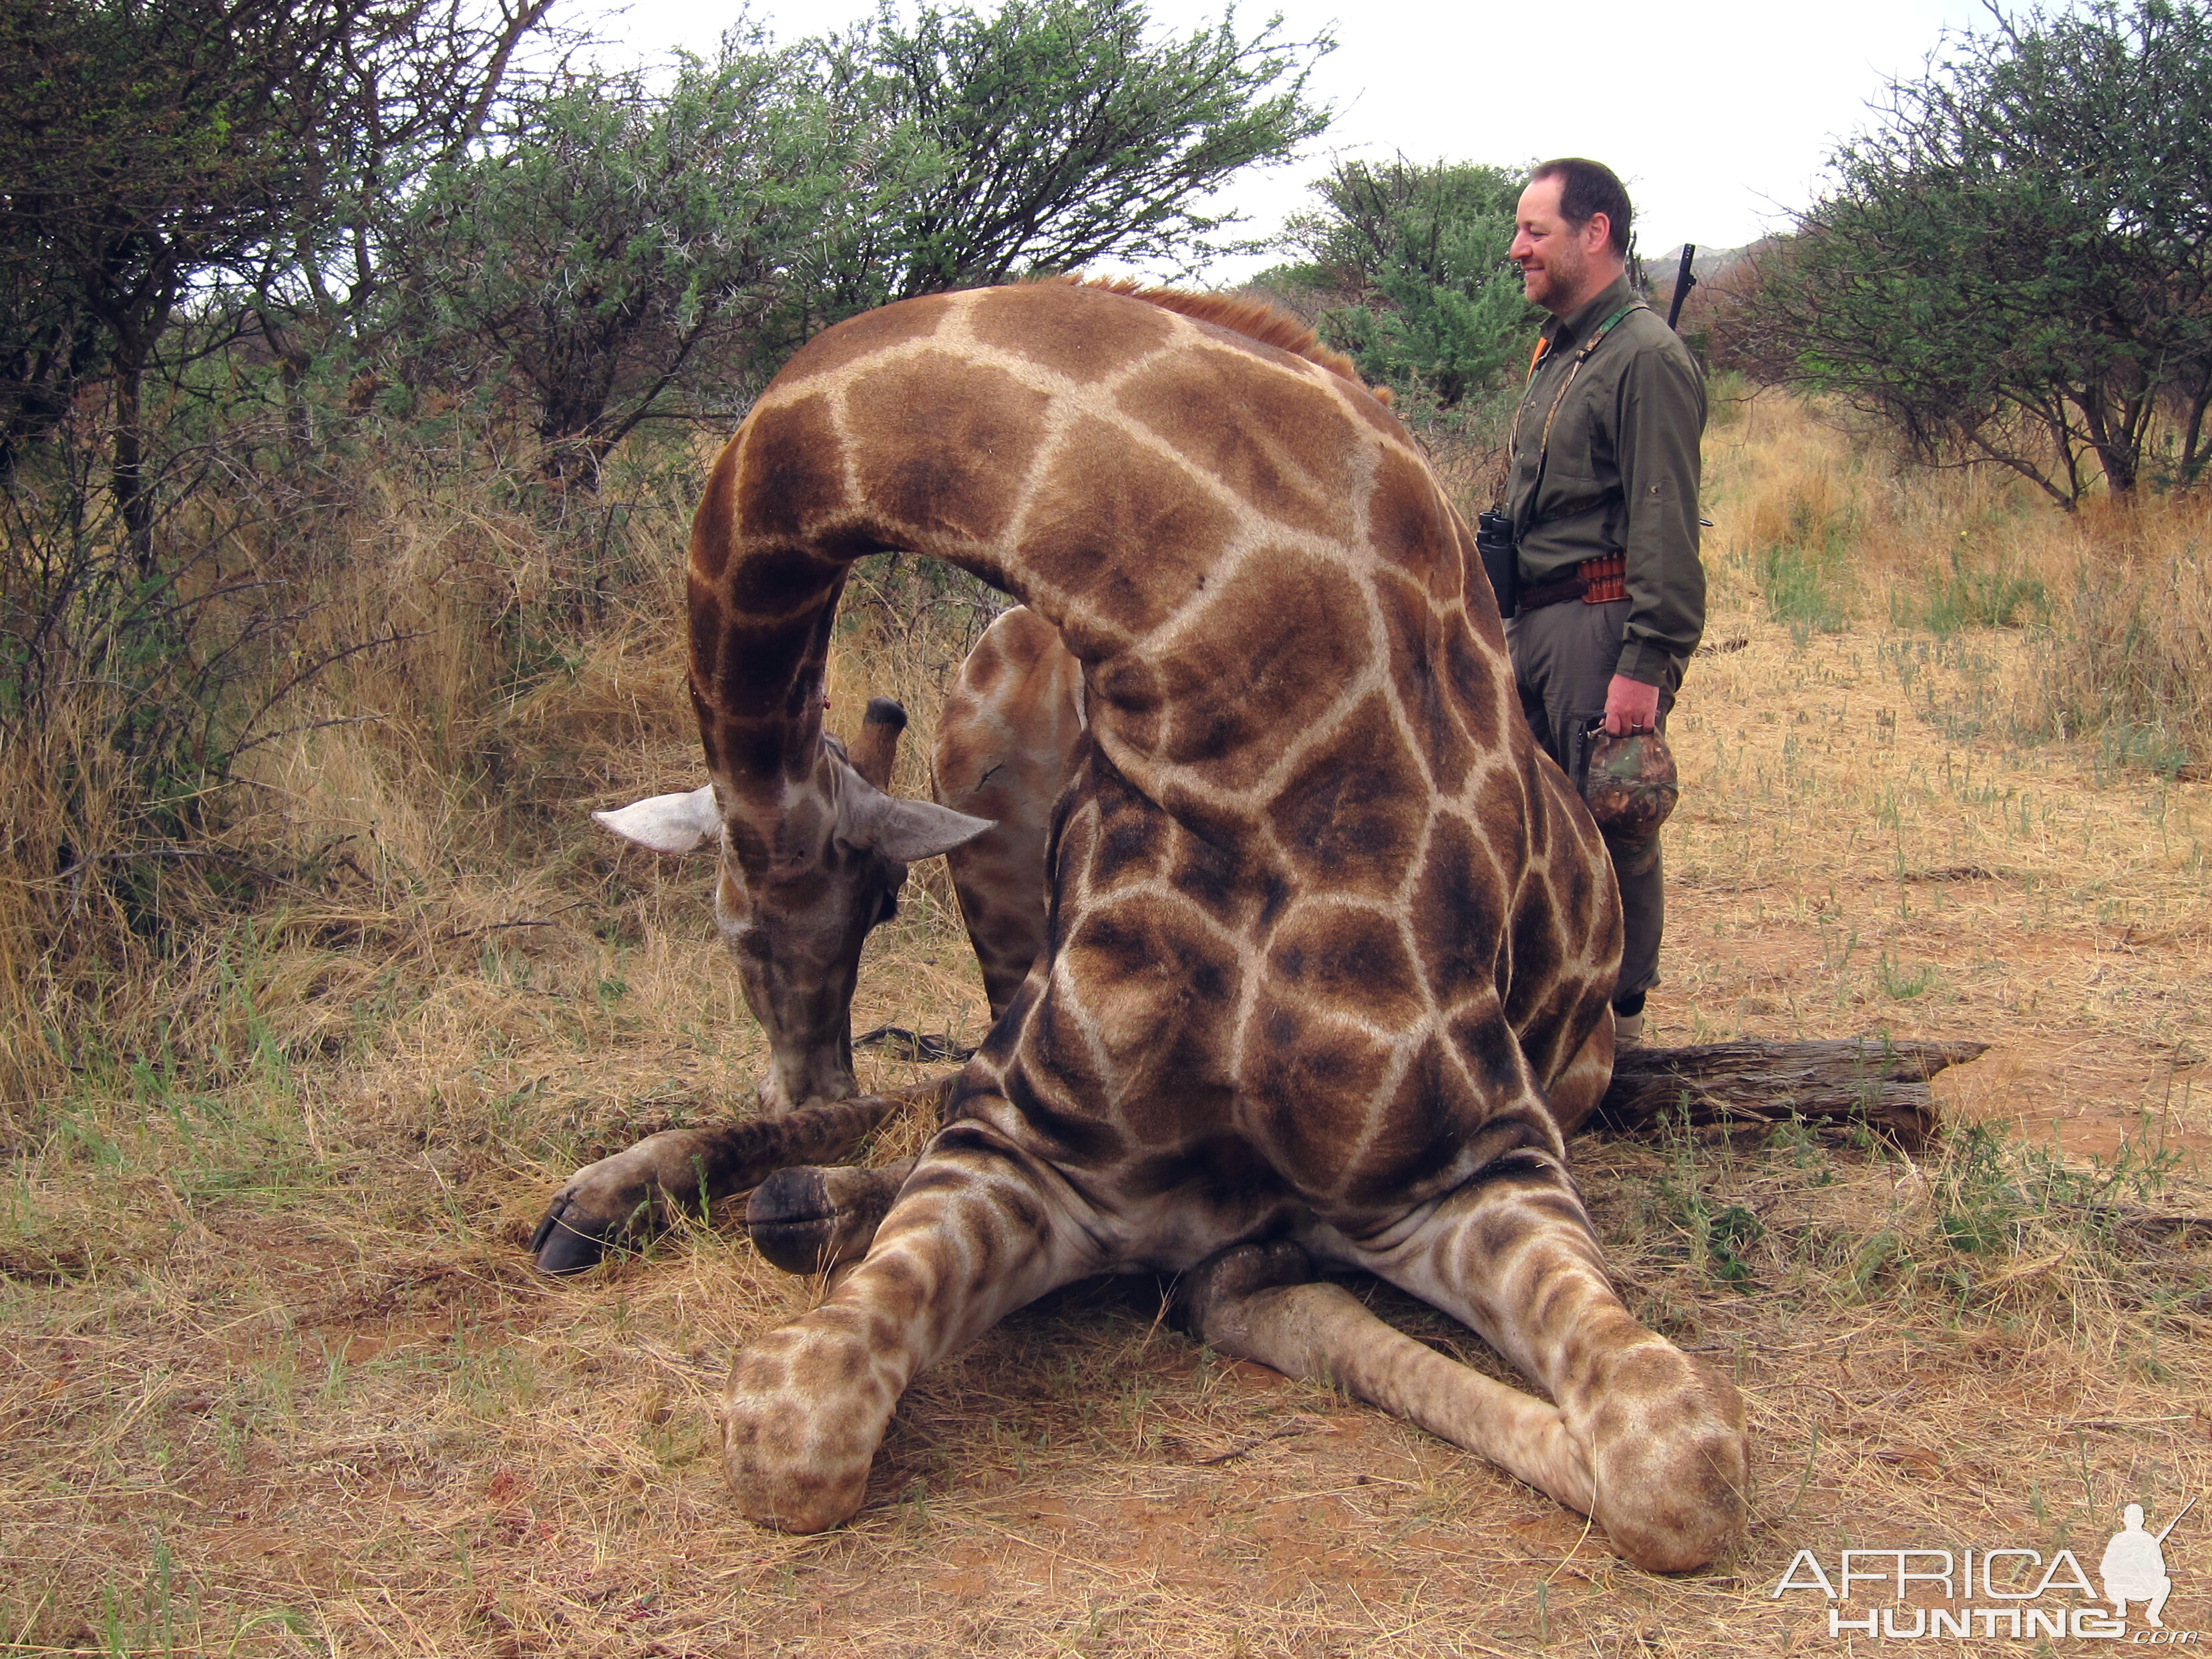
<point>1559,279</point>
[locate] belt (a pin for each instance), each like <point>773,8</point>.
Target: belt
<point>1595,581</point>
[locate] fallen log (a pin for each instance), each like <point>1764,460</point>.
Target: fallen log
<point>1879,1082</point>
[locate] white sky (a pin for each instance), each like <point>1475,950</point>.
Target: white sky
<point>1717,114</point>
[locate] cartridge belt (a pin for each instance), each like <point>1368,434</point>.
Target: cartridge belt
<point>1595,581</point>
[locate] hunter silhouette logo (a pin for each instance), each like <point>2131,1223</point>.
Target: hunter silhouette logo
<point>2134,1566</point>
<point>2000,1591</point>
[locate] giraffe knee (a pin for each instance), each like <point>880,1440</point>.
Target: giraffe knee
<point>1666,1447</point>
<point>805,1411</point>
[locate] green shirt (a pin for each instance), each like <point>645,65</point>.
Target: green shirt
<point>1622,475</point>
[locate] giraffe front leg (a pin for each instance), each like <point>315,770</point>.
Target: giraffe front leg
<point>809,1219</point>
<point>979,1230</point>
<point>633,1193</point>
<point>1660,1436</point>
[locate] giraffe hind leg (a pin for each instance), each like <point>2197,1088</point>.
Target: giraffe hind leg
<point>1659,1435</point>
<point>1259,1302</point>
<point>979,1230</point>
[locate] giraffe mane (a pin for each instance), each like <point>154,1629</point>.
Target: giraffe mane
<point>1255,320</point>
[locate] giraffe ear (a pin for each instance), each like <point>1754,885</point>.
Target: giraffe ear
<point>667,824</point>
<point>904,830</point>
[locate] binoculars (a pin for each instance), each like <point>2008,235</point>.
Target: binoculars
<point>1500,550</point>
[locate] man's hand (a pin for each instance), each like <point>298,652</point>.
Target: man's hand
<point>1631,706</point>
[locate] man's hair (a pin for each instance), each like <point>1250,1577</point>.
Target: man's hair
<point>1588,188</point>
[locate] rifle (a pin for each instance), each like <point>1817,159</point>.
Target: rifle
<point>2176,1522</point>
<point>1684,280</point>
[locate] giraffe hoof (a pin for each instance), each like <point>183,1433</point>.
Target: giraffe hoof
<point>793,1221</point>
<point>561,1246</point>
<point>606,1204</point>
<point>808,1220</point>
<point>1217,1284</point>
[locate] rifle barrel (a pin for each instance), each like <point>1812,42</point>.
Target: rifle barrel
<point>1684,280</point>
<point>2176,1522</point>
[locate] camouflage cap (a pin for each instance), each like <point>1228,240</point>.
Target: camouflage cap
<point>1630,783</point>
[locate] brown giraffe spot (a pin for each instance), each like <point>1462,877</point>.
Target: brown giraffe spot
<point>1059,1043</point>
<point>1209,874</point>
<point>761,667</point>
<point>1129,842</point>
<point>1407,522</point>
<point>1312,1078</point>
<point>1483,683</point>
<point>1482,598</point>
<point>1153,975</point>
<point>1267,657</point>
<point>1417,667</point>
<point>1493,1053</point>
<point>707,626</point>
<point>1372,410</point>
<point>1129,555</point>
<point>1073,1137</point>
<point>1219,1169</point>
<point>1458,912</point>
<point>1422,1132</point>
<point>1551,1012</point>
<point>714,523</point>
<point>942,434</point>
<point>1350,818</point>
<point>1288,453</point>
<point>1085,342</point>
<point>1537,951</point>
<point>865,335</point>
<point>776,586</point>
<point>1125,686</point>
<point>788,478</point>
<point>1350,959</point>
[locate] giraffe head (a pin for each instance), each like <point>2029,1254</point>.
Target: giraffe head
<point>800,887</point>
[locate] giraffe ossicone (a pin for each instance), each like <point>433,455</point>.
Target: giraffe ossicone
<point>1329,944</point>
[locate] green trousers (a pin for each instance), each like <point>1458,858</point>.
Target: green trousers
<point>1563,660</point>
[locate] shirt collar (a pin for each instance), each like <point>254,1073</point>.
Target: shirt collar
<point>1563,331</point>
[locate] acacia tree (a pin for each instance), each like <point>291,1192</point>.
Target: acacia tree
<point>1044,137</point>
<point>612,238</point>
<point>2015,265</point>
<point>152,150</point>
<point>627,255</point>
<point>1420,250</point>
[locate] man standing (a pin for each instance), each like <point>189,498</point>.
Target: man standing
<point>1603,497</point>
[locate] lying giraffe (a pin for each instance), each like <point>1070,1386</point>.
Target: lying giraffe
<point>1329,944</point>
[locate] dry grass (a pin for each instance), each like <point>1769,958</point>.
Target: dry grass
<point>274,1377</point>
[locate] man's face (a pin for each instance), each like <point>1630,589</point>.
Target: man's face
<point>1554,256</point>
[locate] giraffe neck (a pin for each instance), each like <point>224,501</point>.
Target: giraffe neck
<point>1217,579</point>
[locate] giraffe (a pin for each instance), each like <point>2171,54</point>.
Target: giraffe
<point>1330,943</point>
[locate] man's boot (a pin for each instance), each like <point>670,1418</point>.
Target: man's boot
<point>1628,1022</point>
